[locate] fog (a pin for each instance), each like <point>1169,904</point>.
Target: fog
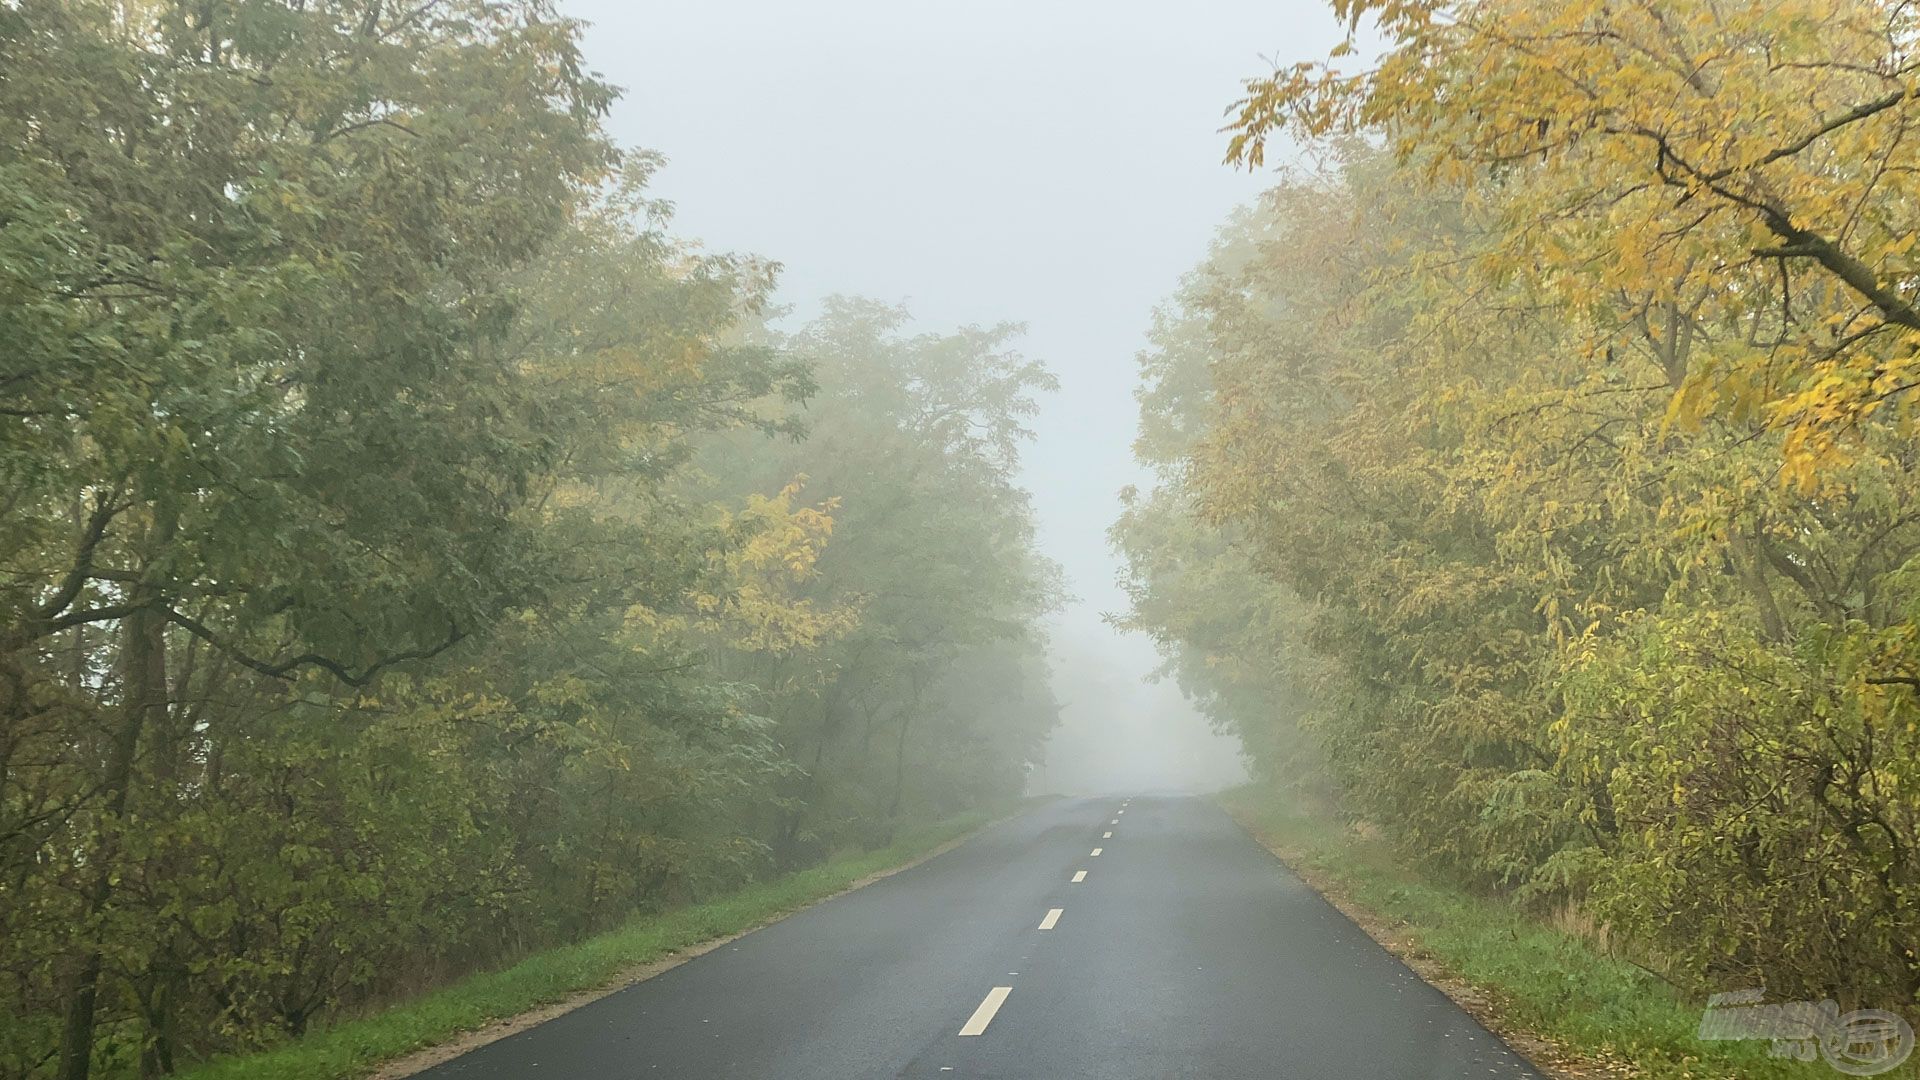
<point>1056,165</point>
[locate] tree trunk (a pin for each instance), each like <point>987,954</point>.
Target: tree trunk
<point>1753,575</point>
<point>143,702</point>
<point>899,773</point>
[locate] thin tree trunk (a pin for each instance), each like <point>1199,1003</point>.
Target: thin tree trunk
<point>143,702</point>
<point>899,772</point>
<point>1753,575</point>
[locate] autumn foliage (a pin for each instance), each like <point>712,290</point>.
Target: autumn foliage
<point>1551,450</point>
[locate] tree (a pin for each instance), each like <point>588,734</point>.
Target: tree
<point>915,441</point>
<point>410,557</point>
<point>1557,643</point>
<point>1687,166</point>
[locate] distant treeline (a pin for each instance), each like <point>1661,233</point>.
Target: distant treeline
<point>412,556</point>
<point>1543,469</point>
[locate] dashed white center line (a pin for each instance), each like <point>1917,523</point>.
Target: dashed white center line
<point>983,1015</point>
<point>1122,810</point>
<point>1053,917</point>
<point>1079,876</point>
<point>1106,836</point>
<point>1095,853</point>
<point>1115,821</point>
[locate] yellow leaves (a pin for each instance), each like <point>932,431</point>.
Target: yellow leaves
<point>650,623</point>
<point>1586,467</point>
<point>1686,408</point>
<point>756,595</point>
<point>1747,162</point>
<point>786,536</point>
<point>776,547</point>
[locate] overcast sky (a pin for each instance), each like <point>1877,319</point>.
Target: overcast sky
<point>1050,162</point>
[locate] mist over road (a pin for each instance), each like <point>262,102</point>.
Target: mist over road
<point>1182,949</point>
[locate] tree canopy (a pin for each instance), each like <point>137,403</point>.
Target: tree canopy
<point>414,555</point>
<point>1543,461</point>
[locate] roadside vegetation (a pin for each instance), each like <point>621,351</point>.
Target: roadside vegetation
<point>414,557</point>
<point>355,1047</point>
<point>1538,479</point>
<point>1549,977</point>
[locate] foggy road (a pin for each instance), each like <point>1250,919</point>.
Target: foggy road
<point>1108,938</point>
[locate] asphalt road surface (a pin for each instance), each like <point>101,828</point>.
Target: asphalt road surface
<point>1180,948</point>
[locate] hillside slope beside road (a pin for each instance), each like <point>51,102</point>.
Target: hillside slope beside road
<point>1185,950</point>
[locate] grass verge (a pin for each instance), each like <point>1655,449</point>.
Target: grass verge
<point>356,1047</point>
<point>1598,1015</point>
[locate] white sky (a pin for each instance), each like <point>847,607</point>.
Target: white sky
<point>1054,162</point>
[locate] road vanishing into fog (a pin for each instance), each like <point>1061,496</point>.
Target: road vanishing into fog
<point>1113,938</point>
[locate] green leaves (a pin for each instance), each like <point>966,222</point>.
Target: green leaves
<point>398,567</point>
<point>934,697</point>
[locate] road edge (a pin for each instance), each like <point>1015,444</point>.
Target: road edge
<point>418,1061</point>
<point>1550,1058</point>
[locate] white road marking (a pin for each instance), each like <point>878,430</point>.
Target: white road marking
<point>1115,821</point>
<point>983,1015</point>
<point>1122,810</point>
<point>1079,876</point>
<point>1106,836</point>
<point>1053,917</point>
<point>1096,852</point>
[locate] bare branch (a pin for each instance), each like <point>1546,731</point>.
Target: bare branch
<point>285,669</point>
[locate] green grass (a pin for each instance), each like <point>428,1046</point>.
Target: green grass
<point>1545,980</point>
<point>355,1047</point>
